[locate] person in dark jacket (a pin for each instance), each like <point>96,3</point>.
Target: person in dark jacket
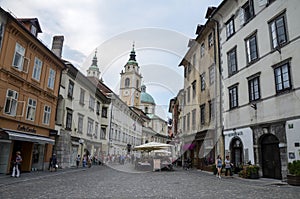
<point>53,163</point>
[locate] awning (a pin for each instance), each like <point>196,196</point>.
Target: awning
<point>16,135</point>
<point>189,146</point>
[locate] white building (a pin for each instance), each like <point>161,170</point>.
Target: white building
<point>82,116</point>
<point>259,42</point>
<point>125,127</point>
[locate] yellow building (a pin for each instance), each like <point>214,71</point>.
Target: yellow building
<point>29,83</point>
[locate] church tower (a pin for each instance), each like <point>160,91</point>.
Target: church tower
<point>93,70</point>
<point>130,85</point>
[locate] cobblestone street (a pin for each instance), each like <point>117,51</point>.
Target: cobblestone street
<point>105,182</point>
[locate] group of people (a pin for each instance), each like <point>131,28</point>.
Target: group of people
<point>219,165</point>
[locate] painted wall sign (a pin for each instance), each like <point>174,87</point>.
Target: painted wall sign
<point>235,134</point>
<point>26,129</point>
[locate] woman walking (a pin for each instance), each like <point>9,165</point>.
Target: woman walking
<point>219,166</point>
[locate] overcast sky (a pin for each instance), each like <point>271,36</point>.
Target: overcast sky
<point>160,30</point>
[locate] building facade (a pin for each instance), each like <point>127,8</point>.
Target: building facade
<point>202,128</point>
<point>29,84</point>
<point>82,116</point>
<point>259,43</point>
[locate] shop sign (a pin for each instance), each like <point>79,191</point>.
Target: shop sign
<point>26,129</point>
<point>235,134</point>
<point>53,132</point>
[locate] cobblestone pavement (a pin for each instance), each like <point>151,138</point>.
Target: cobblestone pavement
<point>124,182</point>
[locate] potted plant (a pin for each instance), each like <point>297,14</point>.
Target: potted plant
<point>293,178</point>
<point>252,171</point>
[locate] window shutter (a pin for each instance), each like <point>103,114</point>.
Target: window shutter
<point>262,2</point>
<point>242,16</point>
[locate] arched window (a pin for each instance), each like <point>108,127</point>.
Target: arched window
<point>146,109</point>
<point>127,82</point>
<point>137,84</point>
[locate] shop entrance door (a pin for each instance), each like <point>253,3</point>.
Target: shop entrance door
<point>271,163</point>
<point>236,149</point>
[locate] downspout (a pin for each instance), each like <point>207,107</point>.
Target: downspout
<point>220,79</point>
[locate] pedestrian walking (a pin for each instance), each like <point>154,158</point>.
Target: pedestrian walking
<point>78,160</point>
<point>219,166</point>
<point>53,163</point>
<point>228,166</point>
<point>84,161</point>
<point>17,165</point>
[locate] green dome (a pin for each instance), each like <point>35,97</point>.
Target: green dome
<point>146,98</point>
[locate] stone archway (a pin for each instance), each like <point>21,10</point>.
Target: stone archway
<point>270,153</point>
<point>236,151</point>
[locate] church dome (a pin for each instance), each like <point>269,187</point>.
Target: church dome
<point>145,97</point>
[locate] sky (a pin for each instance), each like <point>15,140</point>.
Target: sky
<point>159,29</point>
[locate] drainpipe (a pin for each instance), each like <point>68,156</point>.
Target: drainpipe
<point>220,81</point>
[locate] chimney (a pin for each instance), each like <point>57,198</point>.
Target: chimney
<point>57,45</point>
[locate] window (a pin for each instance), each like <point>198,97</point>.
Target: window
<point>188,121</point>
<point>210,40</point>
<point>127,82</point>
<point>19,57</point>
<point>80,123</point>
<point>251,48</point>
<point>98,108</point>
<point>194,119</point>
<point>37,69</point>
<point>202,78</point>
<point>1,34</point>
<point>31,109</point>
<point>194,88</point>
<point>202,50</point>
<point>211,109</point>
<point>230,30</point>
<point>246,12</point>
<point>90,126</point>
<point>194,62</point>
<point>11,102</point>
<point>51,78</point>
<point>81,99</point>
<point>47,114</point>
<point>33,30</point>
<point>70,89</point>
<point>137,83</point>
<point>233,97</point>
<point>211,75</point>
<point>69,119</point>
<point>254,90</point>
<point>232,62</point>
<point>184,123</point>
<point>104,112</point>
<point>92,103</point>
<point>189,94</point>
<point>103,133</point>
<point>96,130</point>
<point>282,78</point>
<point>202,113</point>
<point>278,31</point>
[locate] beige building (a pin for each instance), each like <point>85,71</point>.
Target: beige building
<point>200,113</point>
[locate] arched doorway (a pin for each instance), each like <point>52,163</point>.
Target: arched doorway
<point>236,148</point>
<point>271,164</point>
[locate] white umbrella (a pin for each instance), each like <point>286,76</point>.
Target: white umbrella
<point>151,146</point>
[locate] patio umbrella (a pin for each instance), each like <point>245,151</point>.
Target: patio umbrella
<point>151,146</point>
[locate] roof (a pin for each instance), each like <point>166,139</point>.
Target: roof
<point>147,98</point>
